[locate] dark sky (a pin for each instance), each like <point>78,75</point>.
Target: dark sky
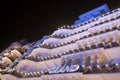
<point>34,19</point>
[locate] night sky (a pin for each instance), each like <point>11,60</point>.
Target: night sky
<point>34,19</point>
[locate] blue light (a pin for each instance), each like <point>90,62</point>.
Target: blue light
<point>97,12</point>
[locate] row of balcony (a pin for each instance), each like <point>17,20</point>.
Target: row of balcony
<point>90,69</point>
<point>93,20</point>
<point>104,45</point>
<point>45,45</point>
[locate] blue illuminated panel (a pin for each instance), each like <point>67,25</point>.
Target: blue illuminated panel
<point>97,12</point>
